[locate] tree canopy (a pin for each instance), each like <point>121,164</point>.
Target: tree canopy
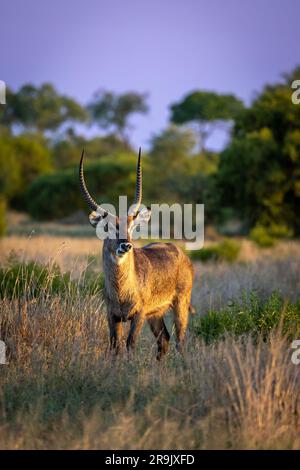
<point>259,172</point>
<point>40,108</point>
<point>254,180</point>
<point>22,159</point>
<point>206,109</point>
<point>112,111</point>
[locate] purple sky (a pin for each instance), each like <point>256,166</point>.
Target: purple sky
<point>165,47</point>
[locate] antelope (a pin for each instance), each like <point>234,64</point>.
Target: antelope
<point>141,284</point>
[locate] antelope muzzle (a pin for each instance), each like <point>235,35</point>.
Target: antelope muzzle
<point>123,248</point>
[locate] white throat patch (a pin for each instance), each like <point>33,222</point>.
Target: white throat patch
<point>118,259</point>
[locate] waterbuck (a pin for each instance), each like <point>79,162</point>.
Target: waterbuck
<point>141,283</point>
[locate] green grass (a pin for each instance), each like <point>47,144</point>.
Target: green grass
<point>30,280</point>
<point>251,316</point>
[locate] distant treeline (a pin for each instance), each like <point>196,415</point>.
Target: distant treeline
<point>255,180</point>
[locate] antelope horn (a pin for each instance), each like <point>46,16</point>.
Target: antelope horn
<point>88,198</point>
<point>139,184</point>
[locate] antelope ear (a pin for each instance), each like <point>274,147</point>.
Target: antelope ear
<point>95,218</point>
<point>143,216</point>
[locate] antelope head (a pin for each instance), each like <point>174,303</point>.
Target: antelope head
<point>120,230</point>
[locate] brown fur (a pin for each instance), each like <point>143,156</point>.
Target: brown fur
<point>144,285</point>
<point>141,283</point>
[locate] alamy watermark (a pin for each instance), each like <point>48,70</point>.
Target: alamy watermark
<point>2,353</point>
<point>296,354</point>
<point>180,222</point>
<point>296,94</point>
<point>2,92</point>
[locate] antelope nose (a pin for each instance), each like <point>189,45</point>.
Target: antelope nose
<point>125,246</point>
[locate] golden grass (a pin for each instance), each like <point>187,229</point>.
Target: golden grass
<point>63,389</point>
<point>67,252</point>
<point>66,249</point>
<point>266,270</point>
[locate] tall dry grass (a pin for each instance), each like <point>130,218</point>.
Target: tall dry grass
<point>62,388</point>
<point>258,270</point>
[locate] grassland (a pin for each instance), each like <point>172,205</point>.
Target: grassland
<point>63,389</point>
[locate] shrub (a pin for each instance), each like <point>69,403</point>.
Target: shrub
<point>280,231</point>
<point>205,254</point>
<point>227,250</point>
<point>229,223</point>
<point>2,216</point>
<point>58,195</point>
<point>22,160</point>
<point>253,316</point>
<point>261,236</point>
<point>31,279</point>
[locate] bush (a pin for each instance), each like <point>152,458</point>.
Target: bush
<point>229,223</point>
<point>2,216</point>
<point>266,237</point>
<point>261,236</point>
<point>280,231</point>
<point>58,195</point>
<point>20,279</point>
<point>31,280</point>
<point>252,316</point>
<point>227,250</point>
<point>22,159</point>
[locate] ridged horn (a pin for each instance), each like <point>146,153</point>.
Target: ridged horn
<point>139,183</point>
<point>88,198</point>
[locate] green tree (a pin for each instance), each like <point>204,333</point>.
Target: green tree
<point>170,151</point>
<point>259,172</point>
<point>207,110</point>
<point>179,174</point>
<point>41,108</point>
<point>247,172</point>
<point>66,152</point>
<point>22,159</point>
<point>7,112</point>
<point>33,159</point>
<point>57,195</point>
<point>195,183</point>
<point>111,111</point>
<point>10,175</point>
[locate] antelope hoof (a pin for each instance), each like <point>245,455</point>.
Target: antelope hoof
<point>162,350</point>
<point>180,347</point>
